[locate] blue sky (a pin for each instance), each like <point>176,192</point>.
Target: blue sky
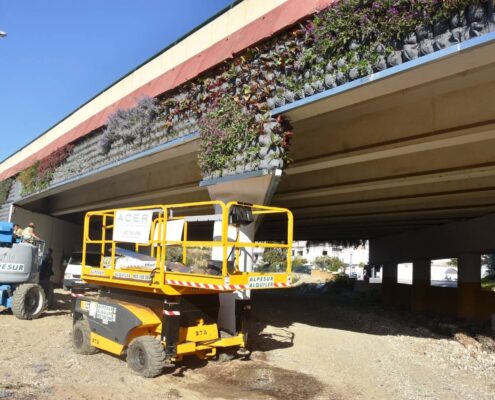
<point>60,53</point>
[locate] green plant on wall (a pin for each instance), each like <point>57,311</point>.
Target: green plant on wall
<point>5,186</point>
<point>132,125</point>
<point>353,37</point>
<point>230,104</point>
<point>28,179</point>
<point>39,175</point>
<point>226,132</point>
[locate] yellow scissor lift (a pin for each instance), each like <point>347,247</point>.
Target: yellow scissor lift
<point>159,297</point>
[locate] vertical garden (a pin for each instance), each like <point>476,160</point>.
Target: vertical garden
<point>229,108</point>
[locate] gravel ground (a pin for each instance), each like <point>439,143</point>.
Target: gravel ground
<point>306,346</point>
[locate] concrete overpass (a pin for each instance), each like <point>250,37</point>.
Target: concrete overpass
<point>401,157</point>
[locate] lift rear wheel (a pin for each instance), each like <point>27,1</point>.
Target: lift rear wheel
<point>224,355</point>
<point>146,356</point>
<point>81,338</point>
<point>29,301</point>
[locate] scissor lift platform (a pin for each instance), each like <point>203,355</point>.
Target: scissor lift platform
<point>158,277</point>
<point>158,305</point>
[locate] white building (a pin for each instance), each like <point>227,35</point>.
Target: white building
<point>349,255</point>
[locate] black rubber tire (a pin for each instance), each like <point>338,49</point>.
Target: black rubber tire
<point>29,301</point>
<point>224,355</point>
<point>81,338</point>
<point>146,356</point>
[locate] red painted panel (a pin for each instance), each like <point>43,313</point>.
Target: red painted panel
<point>276,20</point>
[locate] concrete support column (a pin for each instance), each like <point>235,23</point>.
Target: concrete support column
<point>389,282</point>
<point>421,284</point>
<point>250,189</point>
<point>468,284</point>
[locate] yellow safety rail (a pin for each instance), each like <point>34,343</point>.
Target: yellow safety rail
<point>160,279</point>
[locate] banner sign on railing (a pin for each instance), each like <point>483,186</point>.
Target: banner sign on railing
<point>132,226</point>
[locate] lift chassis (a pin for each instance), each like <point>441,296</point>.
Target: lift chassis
<point>180,325</point>
<point>159,311</point>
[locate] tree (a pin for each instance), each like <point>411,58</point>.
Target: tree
<point>274,255</point>
<point>329,263</point>
<point>298,262</point>
<point>453,262</point>
<point>489,261</point>
<point>174,253</point>
<point>276,258</point>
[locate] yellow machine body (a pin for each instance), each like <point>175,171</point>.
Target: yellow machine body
<point>201,339</point>
<point>161,280</point>
<point>147,298</point>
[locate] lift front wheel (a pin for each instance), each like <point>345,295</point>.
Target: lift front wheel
<point>146,356</point>
<point>81,338</point>
<point>29,301</point>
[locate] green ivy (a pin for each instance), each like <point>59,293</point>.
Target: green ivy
<point>352,29</point>
<point>225,132</point>
<point>28,179</point>
<point>5,187</point>
<point>231,103</point>
<point>39,175</point>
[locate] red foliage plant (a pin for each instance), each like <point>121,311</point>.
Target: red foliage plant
<point>49,163</point>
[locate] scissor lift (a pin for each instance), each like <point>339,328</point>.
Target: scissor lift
<point>158,305</point>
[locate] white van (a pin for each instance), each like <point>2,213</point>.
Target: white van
<point>72,275</point>
<point>124,259</point>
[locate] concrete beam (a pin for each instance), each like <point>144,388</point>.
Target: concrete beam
<point>446,241</point>
<point>456,137</point>
<point>154,196</point>
<point>446,201</point>
<point>389,183</point>
<point>171,150</point>
<point>158,182</point>
<point>453,60</point>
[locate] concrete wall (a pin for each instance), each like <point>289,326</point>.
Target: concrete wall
<point>63,237</point>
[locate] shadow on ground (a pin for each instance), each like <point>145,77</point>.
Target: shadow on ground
<point>325,306</point>
<point>260,380</point>
<point>345,309</point>
<point>61,301</point>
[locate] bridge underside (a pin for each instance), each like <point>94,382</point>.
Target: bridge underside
<point>406,152</point>
<point>414,158</point>
<point>408,160</point>
<point>397,156</point>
